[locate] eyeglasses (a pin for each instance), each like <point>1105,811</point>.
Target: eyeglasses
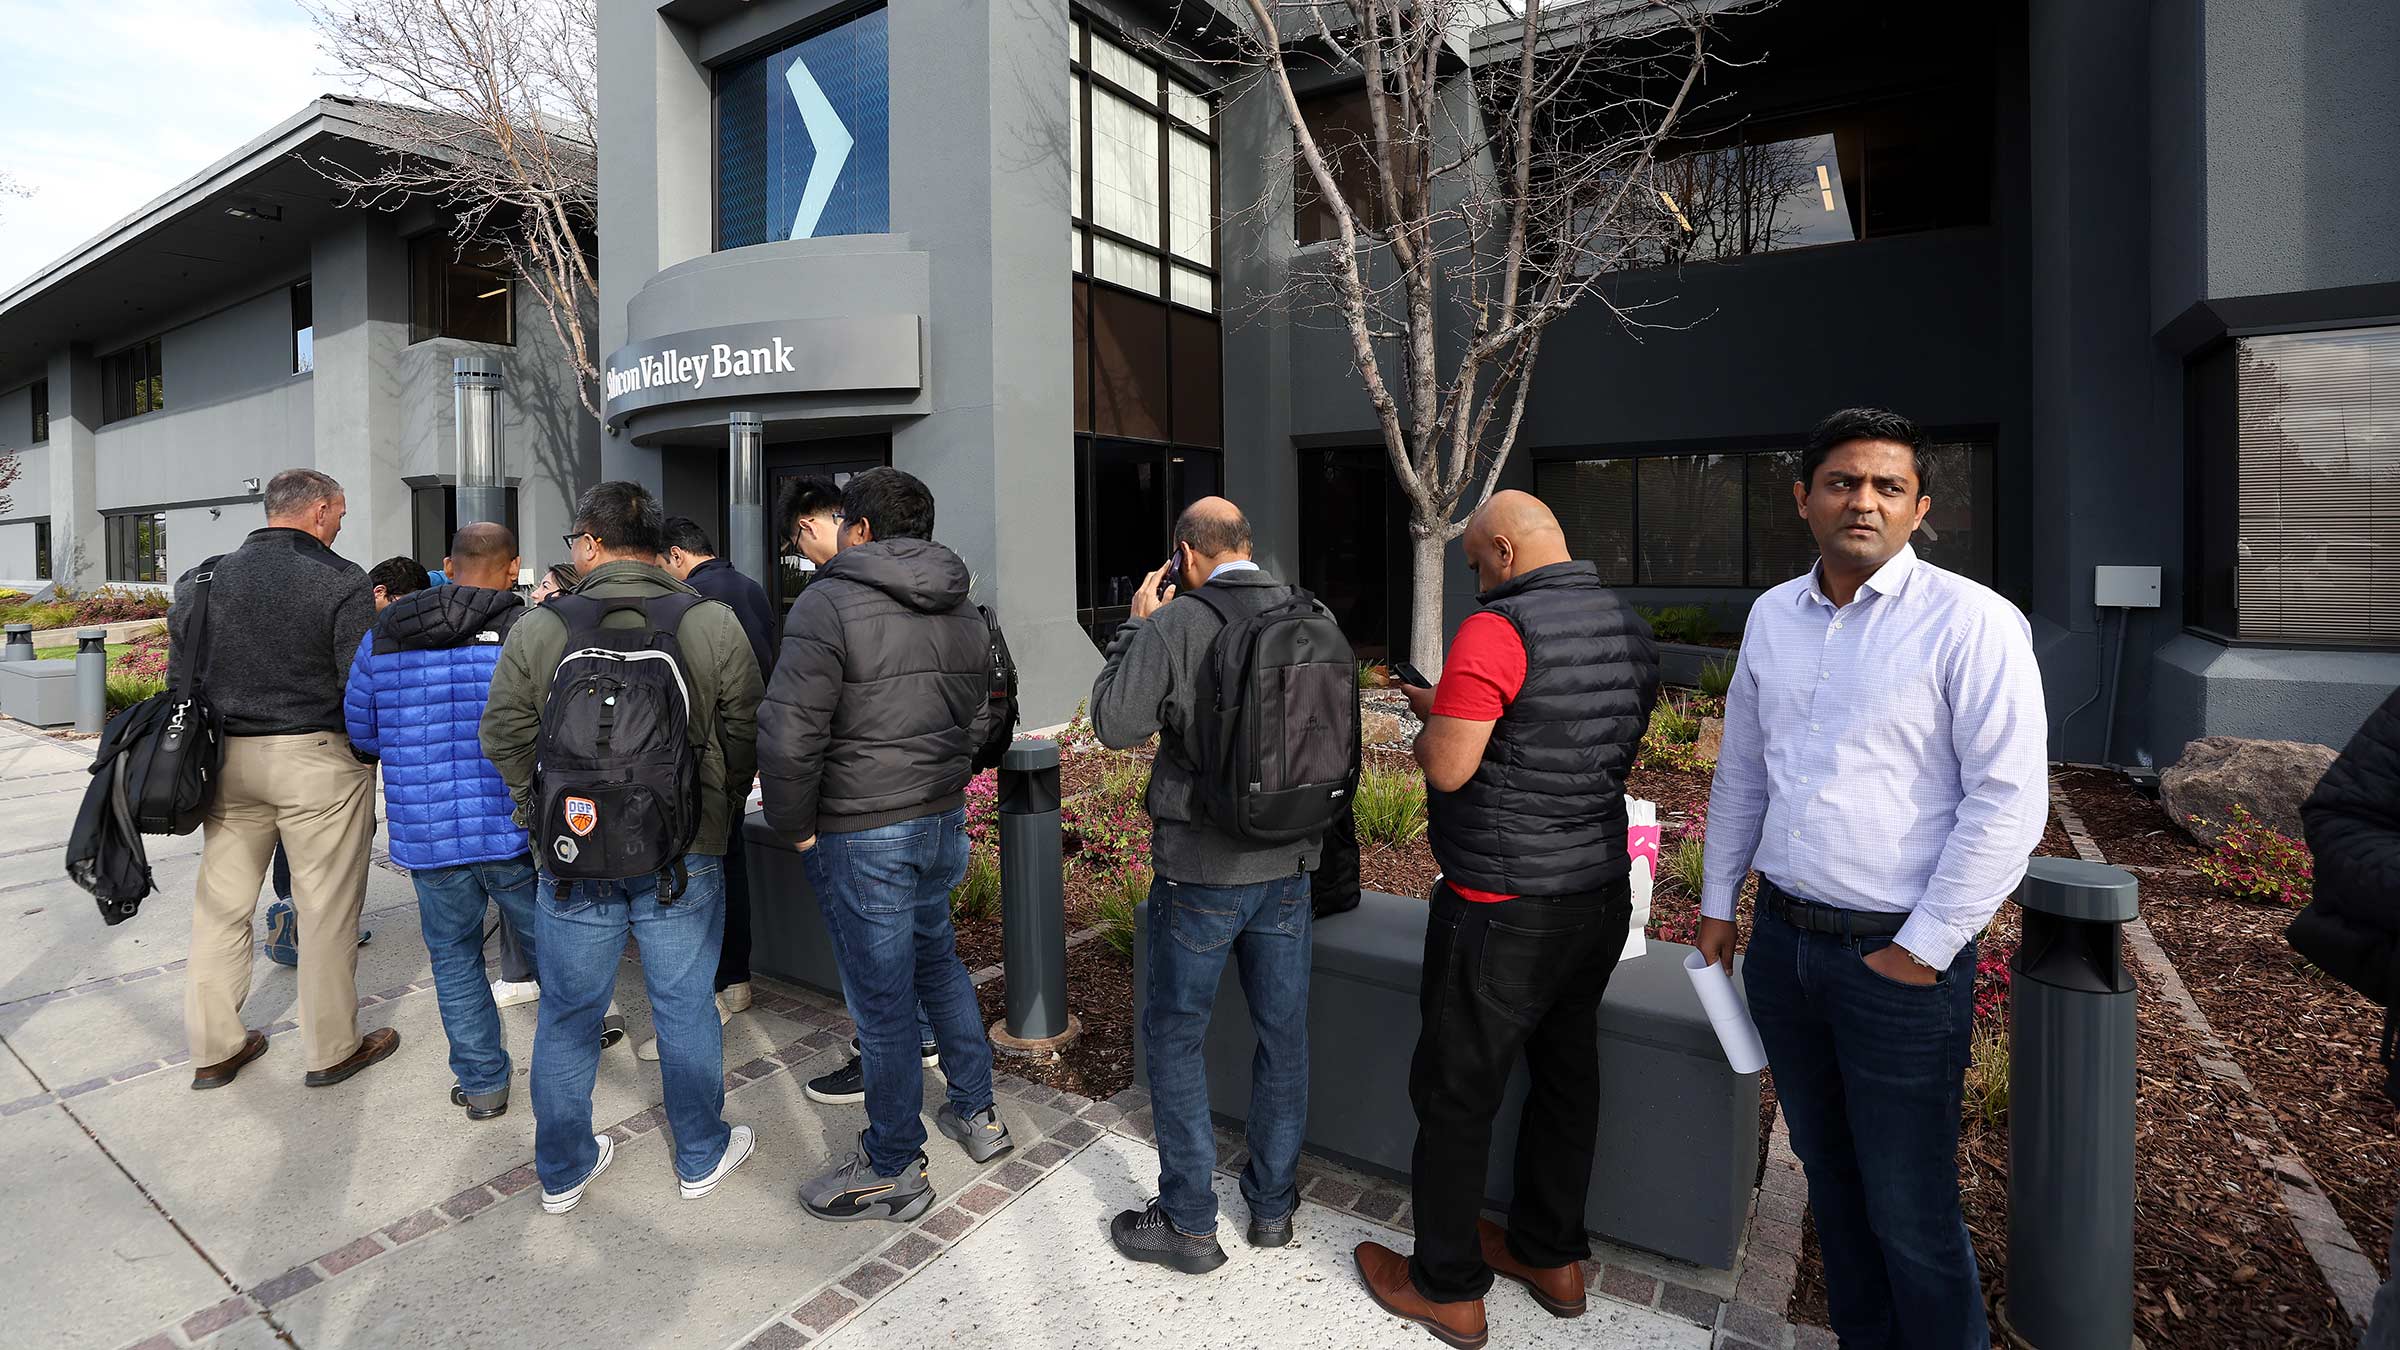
<point>569,539</point>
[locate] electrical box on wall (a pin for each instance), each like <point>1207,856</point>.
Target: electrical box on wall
<point>2125,587</point>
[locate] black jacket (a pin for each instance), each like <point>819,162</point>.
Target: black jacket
<point>720,580</point>
<point>1545,812</point>
<point>880,694</point>
<point>284,618</point>
<point>2353,819</point>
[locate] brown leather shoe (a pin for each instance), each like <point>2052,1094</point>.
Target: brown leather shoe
<point>1386,1274</point>
<point>1559,1289</point>
<point>218,1075</point>
<point>374,1046</point>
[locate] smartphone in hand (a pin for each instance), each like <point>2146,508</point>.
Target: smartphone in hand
<point>1405,673</point>
<point>1171,575</point>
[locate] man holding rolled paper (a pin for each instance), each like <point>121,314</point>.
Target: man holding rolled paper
<point>1885,772</point>
<point>1526,745</point>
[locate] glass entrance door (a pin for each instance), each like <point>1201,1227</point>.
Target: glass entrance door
<point>1354,546</point>
<point>836,461</point>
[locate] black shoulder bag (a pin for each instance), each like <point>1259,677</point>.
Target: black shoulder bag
<point>175,754</point>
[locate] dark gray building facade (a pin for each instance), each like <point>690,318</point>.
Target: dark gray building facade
<point>251,320</point>
<point>2130,261</point>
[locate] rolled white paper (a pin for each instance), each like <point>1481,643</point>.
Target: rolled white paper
<point>1735,1031</point>
<point>1641,844</point>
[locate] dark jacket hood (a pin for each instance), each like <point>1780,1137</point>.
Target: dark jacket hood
<point>919,573</point>
<point>445,616</point>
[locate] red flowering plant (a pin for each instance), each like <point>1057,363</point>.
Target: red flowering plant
<point>1991,983</point>
<point>983,806</point>
<point>2252,859</point>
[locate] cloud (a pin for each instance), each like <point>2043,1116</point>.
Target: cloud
<point>110,105</point>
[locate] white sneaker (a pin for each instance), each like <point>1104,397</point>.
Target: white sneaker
<point>734,998</point>
<point>510,993</point>
<point>562,1201</point>
<point>739,1145</point>
<point>648,1050</point>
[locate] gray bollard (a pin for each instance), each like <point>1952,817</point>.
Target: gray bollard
<point>2070,1110</point>
<point>1033,902</point>
<point>20,643</point>
<point>91,679</point>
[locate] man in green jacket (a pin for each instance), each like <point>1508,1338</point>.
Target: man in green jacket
<point>581,926</point>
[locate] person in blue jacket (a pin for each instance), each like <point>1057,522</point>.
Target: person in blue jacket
<point>415,701</point>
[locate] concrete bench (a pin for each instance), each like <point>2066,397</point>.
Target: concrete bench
<point>1678,1144</point>
<point>38,692</point>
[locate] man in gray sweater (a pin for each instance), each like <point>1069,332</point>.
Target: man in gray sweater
<point>285,614</point>
<point>1211,894</point>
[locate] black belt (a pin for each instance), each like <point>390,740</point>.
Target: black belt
<point>1811,917</point>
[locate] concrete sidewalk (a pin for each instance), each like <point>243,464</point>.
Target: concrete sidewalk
<point>138,1213</point>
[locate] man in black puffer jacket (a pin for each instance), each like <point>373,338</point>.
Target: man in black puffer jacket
<point>878,702</point>
<point>2352,927</point>
<point>1527,740</point>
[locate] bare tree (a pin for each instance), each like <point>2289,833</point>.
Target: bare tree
<point>10,470</point>
<point>1474,209</point>
<point>497,102</point>
<point>12,186</point>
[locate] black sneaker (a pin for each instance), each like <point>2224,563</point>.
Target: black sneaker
<point>480,1105</point>
<point>845,1086</point>
<point>1146,1235</point>
<point>1271,1232</point>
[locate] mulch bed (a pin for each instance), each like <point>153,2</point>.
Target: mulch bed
<point>2131,829</point>
<point>1099,1064</point>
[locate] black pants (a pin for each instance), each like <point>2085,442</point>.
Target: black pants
<point>1523,974</point>
<point>733,958</point>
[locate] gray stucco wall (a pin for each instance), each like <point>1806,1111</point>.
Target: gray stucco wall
<point>30,494</point>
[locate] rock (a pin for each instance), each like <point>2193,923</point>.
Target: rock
<point>2218,773</point>
<point>1712,738</point>
<point>1381,728</point>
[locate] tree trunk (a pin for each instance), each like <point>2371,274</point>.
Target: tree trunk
<point>1425,604</point>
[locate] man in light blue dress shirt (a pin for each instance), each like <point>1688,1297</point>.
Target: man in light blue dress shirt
<point>1885,772</point>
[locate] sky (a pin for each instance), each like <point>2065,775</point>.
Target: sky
<point>109,103</point>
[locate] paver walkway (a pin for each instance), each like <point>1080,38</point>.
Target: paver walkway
<point>138,1213</point>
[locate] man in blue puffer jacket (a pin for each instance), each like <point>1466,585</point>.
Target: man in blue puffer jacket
<point>415,700</point>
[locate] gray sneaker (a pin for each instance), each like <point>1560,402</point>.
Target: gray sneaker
<point>982,1135</point>
<point>852,1191</point>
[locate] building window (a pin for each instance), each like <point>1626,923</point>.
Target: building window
<point>469,294</point>
<point>304,330</point>
<point>1863,172</point>
<point>41,550</point>
<point>2295,532</point>
<point>1727,520</point>
<point>1344,127</point>
<point>433,521</point>
<point>1127,495</point>
<point>803,142</point>
<point>1142,174</point>
<point>40,396</point>
<point>131,383</point>
<point>137,547</point>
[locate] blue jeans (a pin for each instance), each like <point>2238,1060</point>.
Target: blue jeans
<point>578,944</point>
<point>886,897</point>
<point>1869,1073</point>
<point>450,907</point>
<point>1264,927</point>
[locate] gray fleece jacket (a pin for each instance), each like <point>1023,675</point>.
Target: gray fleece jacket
<point>1145,687</point>
<point>285,614</point>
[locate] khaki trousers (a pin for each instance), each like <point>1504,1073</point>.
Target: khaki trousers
<point>309,792</point>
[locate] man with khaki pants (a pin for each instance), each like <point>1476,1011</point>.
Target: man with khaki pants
<point>285,613</point>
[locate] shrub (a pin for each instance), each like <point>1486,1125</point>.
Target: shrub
<point>983,806</point>
<point>1705,705</point>
<point>1373,675</point>
<point>1716,678</point>
<point>1687,864</point>
<point>9,597</point>
<point>1120,899</point>
<point>1682,927</point>
<point>1991,984</point>
<point>144,656</point>
<point>2252,859</point>
<point>1679,623</point>
<point>1390,806</point>
<point>112,604</point>
<point>977,896</point>
<point>1107,837</point>
<point>57,614</point>
<point>1122,784</point>
<point>125,689</point>
<point>1987,1075</point>
<point>1660,753</point>
<point>1669,721</point>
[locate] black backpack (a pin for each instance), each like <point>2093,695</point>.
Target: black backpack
<point>1274,736</point>
<point>174,750</point>
<point>1002,705</point>
<point>616,779</point>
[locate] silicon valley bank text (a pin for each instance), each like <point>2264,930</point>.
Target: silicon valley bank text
<point>720,361</point>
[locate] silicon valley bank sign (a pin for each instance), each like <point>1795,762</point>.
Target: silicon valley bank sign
<point>865,354</point>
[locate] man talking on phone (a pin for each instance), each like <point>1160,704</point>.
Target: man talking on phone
<point>1527,741</point>
<point>1212,895</point>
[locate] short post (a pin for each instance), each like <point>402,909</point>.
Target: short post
<point>91,679</point>
<point>475,383</point>
<point>20,643</point>
<point>745,512</point>
<point>2070,1110</point>
<point>1033,905</point>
